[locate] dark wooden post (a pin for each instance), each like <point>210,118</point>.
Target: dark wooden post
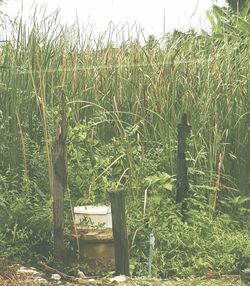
<point>182,176</point>
<point>59,183</point>
<point>120,234</point>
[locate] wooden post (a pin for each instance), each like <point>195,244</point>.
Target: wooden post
<point>182,176</point>
<point>120,235</point>
<point>59,183</point>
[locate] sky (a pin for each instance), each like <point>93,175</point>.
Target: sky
<point>152,17</point>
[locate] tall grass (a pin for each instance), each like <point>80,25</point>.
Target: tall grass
<point>131,92</point>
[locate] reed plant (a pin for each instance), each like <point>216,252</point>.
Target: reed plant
<point>124,103</point>
<point>134,85</point>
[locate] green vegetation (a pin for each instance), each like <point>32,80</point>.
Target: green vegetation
<point>123,106</point>
<point>191,282</point>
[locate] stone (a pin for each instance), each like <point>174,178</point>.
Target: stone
<point>119,279</point>
<point>56,277</point>
<point>28,271</point>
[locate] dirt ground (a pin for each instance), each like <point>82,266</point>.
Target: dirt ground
<point>12,274</point>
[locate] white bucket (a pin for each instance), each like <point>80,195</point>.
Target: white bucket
<point>89,217</point>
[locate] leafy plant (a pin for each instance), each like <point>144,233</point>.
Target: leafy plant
<point>124,102</point>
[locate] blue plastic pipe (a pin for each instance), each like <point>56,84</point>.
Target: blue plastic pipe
<point>150,257</point>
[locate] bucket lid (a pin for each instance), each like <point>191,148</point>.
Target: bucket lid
<point>88,210</point>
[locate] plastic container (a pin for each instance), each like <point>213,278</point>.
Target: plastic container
<point>93,217</point>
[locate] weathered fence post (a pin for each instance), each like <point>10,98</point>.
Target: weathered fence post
<point>182,176</point>
<point>120,234</point>
<point>59,182</point>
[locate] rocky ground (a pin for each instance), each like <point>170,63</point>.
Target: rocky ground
<point>12,274</point>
